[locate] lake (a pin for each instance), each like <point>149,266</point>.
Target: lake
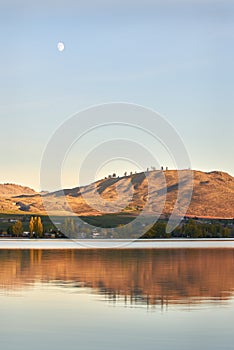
<point>117,299</point>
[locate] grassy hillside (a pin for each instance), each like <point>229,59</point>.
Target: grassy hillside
<point>213,196</point>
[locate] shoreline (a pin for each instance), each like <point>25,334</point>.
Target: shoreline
<point>168,243</point>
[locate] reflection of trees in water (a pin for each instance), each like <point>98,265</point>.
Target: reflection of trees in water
<point>129,276</point>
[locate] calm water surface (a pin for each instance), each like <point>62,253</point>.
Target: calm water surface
<point>117,299</point>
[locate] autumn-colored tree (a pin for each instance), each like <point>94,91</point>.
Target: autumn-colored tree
<point>17,228</point>
<point>35,225</point>
<point>69,227</point>
<point>39,227</point>
<point>31,227</point>
<point>35,228</point>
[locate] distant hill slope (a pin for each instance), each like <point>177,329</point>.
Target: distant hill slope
<point>10,190</point>
<point>8,197</point>
<point>213,195</point>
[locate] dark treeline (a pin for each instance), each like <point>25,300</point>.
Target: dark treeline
<point>191,229</point>
<point>35,227</point>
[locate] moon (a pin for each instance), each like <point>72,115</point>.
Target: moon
<point>60,46</point>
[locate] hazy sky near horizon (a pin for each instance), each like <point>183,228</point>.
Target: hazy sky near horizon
<point>172,56</point>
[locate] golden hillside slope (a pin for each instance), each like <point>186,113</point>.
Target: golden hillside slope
<point>213,196</point>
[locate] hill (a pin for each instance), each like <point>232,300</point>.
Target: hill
<point>213,196</point>
<point>10,190</point>
<point>8,193</point>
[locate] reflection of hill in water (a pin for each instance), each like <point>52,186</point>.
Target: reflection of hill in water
<point>151,276</point>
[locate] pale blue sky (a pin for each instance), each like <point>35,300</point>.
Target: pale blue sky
<point>173,56</point>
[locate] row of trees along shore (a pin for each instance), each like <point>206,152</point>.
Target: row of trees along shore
<point>35,227</point>
<point>191,229</point>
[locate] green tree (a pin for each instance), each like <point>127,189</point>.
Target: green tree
<point>225,232</point>
<point>157,231</point>
<point>192,229</point>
